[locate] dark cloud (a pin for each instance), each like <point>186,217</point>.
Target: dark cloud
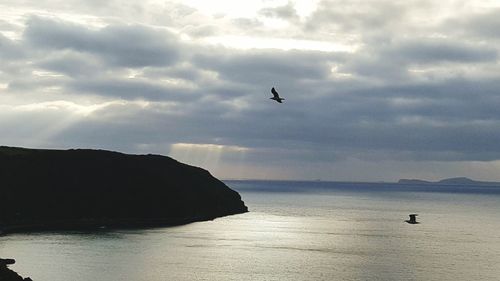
<point>392,61</point>
<point>407,91</point>
<point>34,84</point>
<point>484,25</point>
<point>442,50</point>
<point>185,71</point>
<point>10,50</point>
<point>126,46</point>
<point>130,89</point>
<point>353,131</point>
<point>268,66</point>
<point>72,64</point>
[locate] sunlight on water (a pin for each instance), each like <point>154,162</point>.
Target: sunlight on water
<point>328,235</point>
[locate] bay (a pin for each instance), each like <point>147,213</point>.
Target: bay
<point>294,231</point>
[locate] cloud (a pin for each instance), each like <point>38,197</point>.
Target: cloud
<point>72,64</point>
<point>130,89</point>
<point>268,66</point>
<point>416,85</point>
<point>425,51</point>
<point>358,17</point>
<point>9,49</point>
<point>482,25</point>
<point>286,12</point>
<point>200,31</point>
<point>125,46</point>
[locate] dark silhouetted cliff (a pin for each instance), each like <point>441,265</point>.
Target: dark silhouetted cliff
<point>43,189</point>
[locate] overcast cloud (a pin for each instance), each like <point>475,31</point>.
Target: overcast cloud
<point>374,90</point>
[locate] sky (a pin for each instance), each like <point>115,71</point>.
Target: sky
<point>374,90</point>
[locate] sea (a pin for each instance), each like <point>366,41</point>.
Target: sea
<point>293,231</point>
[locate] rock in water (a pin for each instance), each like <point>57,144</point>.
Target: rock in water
<point>67,189</point>
<point>9,275</point>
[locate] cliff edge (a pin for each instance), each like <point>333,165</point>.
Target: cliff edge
<point>68,189</point>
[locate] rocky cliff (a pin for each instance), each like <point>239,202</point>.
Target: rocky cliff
<point>67,189</point>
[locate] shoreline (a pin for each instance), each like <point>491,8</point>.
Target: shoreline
<point>95,224</point>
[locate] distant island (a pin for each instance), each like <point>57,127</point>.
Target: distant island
<point>82,188</point>
<point>450,181</point>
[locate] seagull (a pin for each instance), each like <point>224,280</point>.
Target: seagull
<point>276,96</point>
<point>413,219</point>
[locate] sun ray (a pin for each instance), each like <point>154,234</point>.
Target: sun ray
<point>205,155</point>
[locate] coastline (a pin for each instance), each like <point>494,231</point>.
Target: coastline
<point>92,189</point>
<point>94,224</point>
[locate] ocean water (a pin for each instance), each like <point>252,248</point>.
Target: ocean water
<point>294,231</point>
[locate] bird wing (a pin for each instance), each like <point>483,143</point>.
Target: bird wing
<point>275,94</point>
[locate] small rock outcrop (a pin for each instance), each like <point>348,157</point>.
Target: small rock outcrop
<point>7,274</point>
<point>68,189</point>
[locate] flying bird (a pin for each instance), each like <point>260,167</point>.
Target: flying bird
<point>413,219</point>
<point>276,96</point>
